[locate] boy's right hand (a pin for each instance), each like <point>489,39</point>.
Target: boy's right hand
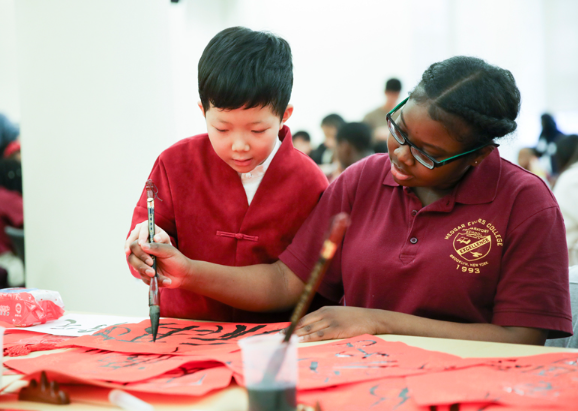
<point>173,268</point>
<point>133,247</point>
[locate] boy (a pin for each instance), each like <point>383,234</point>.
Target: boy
<point>237,195</point>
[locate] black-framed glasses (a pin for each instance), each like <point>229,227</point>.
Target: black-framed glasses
<point>422,157</point>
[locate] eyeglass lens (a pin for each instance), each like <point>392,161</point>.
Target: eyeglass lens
<point>401,140</point>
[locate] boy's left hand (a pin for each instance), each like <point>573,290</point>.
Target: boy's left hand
<point>333,322</point>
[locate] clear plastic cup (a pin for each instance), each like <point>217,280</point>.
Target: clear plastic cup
<point>270,372</point>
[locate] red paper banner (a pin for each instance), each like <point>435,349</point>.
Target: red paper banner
<point>386,394</point>
<point>185,380</point>
<point>362,358</point>
<point>538,380</point>
<point>175,337</point>
<point>107,366</point>
<point>368,357</point>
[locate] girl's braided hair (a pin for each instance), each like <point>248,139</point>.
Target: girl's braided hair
<point>482,96</point>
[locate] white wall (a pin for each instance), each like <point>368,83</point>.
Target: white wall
<point>344,51</point>
<point>96,111</point>
<point>9,95</point>
<point>561,60</point>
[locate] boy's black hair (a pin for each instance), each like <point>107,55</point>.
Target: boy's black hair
<point>393,84</point>
<point>245,68</point>
<point>334,120</point>
<point>304,135</point>
<point>356,134</point>
<point>467,91</point>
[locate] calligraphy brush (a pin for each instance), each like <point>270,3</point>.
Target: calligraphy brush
<point>154,298</point>
<point>336,233</point>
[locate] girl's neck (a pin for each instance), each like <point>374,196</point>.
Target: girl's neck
<point>429,195</point>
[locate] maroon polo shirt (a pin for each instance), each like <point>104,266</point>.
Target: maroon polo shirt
<point>491,251</point>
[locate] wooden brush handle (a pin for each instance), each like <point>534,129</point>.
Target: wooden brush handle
<point>336,233</point>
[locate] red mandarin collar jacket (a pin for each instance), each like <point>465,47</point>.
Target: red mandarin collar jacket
<point>202,205</point>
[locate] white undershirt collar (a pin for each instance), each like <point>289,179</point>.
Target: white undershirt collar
<point>253,178</point>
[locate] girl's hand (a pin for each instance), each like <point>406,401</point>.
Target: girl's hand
<point>337,322</point>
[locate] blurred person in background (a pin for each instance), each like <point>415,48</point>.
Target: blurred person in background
<point>529,159</point>
<point>377,120</point>
<point>11,214</point>
<point>12,151</point>
<point>323,155</point>
<point>353,144</point>
<point>546,147</point>
<point>11,175</point>
<point>302,142</point>
<point>9,132</point>
<point>566,191</point>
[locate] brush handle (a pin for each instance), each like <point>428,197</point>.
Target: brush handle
<point>151,226</point>
<point>151,219</point>
<point>154,287</point>
<point>336,233</point>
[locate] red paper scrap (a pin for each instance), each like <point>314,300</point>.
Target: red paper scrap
<point>175,337</point>
<point>10,371</point>
<point>544,380</point>
<point>185,380</point>
<point>15,337</point>
<point>105,365</point>
<point>20,342</point>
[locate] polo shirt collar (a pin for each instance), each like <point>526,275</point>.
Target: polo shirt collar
<point>388,180</point>
<point>479,185</point>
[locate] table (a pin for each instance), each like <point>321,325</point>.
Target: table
<point>234,398</point>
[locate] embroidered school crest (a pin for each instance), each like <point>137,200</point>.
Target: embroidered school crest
<point>472,245</point>
<point>472,242</point>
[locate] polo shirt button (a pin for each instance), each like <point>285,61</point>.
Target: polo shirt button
<point>413,240</point>
<point>238,236</point>
<point>414,212</point>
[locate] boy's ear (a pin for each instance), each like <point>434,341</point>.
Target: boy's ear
<point>286,115</point>
<point>202,108</point>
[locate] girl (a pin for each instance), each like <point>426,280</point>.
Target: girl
<point>446,240</point>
